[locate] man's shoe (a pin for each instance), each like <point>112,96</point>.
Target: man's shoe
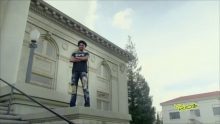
<point>87,105</point>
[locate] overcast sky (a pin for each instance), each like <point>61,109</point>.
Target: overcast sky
<point>177,42</point>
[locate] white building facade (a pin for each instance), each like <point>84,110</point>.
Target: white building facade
<point>51,70</point>
<point>194,109</point>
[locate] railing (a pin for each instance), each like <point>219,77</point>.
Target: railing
<point>29,97</point>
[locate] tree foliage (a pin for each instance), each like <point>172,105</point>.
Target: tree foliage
<point>140,103</point>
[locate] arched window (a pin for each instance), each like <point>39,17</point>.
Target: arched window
<point>103,87</point>
<point>103,72</point>
<point>44,64</point>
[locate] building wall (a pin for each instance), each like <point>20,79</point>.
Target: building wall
<point>206,112</point>
<point>13,16</point>
<point>206,107</point>
<point>66,42</point>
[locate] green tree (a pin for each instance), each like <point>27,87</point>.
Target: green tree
<point>158,120</point>
<point>140,103</point>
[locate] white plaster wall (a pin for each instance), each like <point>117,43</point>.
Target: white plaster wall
<point>123,92</point>
<point>206,112</point>
<point>13,20</point>
<point>3,5</point>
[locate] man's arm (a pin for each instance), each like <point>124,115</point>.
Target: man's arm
<point>74,59</point>
<point>85,58</point>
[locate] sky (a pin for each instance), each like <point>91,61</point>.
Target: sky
<point>177,42</point>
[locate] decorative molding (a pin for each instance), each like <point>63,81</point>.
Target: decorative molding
<point>65,46</point>
<point>48,36</point>
<point>92,58</point>
<point>21,99</point>
<point>42,8</point>
<point>104,62</point>
<point>80,114</point>
<point>114,68</point>
<point>122,67</point>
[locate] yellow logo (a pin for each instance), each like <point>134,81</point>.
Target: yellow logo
<point>184,107</point>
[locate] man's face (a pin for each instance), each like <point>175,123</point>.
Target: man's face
<point>81,46</point>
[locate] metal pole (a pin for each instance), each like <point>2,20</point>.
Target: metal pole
<point>32,46</point>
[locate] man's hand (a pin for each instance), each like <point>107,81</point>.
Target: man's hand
<point>74,59</point>
<point>85,58</point>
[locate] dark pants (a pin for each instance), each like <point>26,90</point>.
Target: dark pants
<point>84,80</point>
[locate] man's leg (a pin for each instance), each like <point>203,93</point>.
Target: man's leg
<point>84,80</point>
<point>75,79</point>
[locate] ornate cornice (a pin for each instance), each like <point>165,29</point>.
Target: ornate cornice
<point>51,13</point>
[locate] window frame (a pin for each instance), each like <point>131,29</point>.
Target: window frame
<point>194,112</point>
<point>102,100</point>
<point>172,118</point>
<point>216,111</point>
<point>51,60</point>
<point>103,66</point>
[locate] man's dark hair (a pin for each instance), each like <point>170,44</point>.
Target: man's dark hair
<point>83,42</point>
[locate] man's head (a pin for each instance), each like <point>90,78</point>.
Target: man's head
<point>82,44</point>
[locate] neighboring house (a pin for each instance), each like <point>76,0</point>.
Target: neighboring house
<point>51,71</point>
<point>201,108</point>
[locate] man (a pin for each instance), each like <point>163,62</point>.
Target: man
<point>79,71</point>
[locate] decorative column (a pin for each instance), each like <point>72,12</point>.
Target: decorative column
<point>13,18</point>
